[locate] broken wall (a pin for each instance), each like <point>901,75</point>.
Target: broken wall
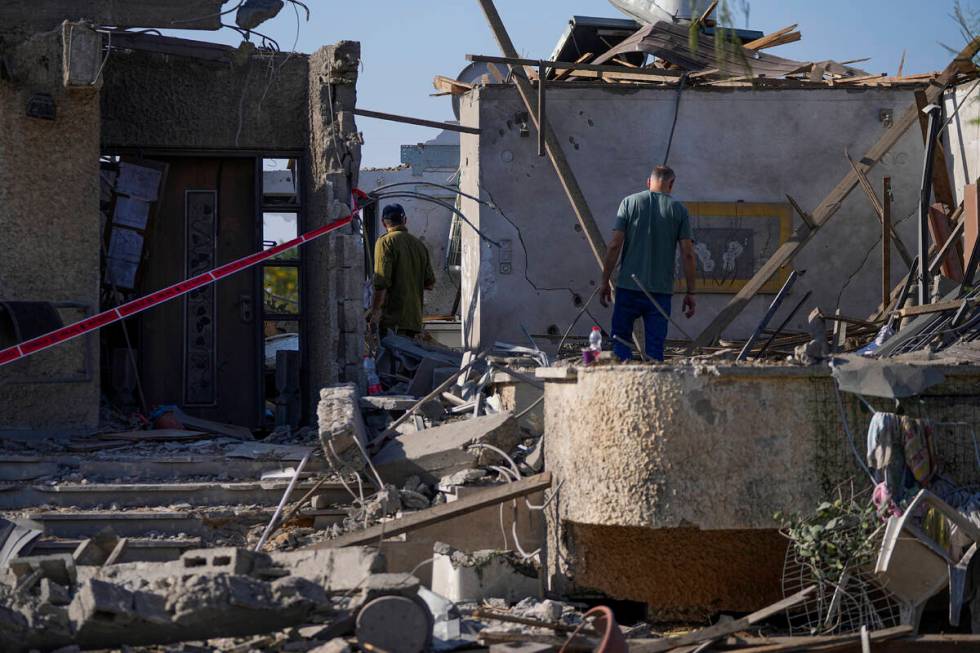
<point>435,161</point>
<point>739,145</point>
<point>335,263</point>
<point>228,100</point>
<point>49,218</point>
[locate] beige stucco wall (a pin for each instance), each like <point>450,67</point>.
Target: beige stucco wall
<point>49,219</point>
<point>670,476</point>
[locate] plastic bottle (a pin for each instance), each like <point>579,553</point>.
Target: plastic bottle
<point>595,344</point>
<point>371,374</point>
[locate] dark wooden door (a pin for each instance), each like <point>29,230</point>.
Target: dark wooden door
<point>202,351</point>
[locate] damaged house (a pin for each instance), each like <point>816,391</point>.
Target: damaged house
<point>195,155</point>
<point>204,446</point>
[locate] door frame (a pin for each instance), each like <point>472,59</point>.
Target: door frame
<point>257,286</point>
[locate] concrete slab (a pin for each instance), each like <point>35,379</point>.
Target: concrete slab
<point>134,524</point>
<point>182,14</point>
<point>137,495</point>
<point>436,452</point>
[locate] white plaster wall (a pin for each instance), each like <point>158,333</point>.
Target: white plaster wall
<point>964,135</point>
<point>729,145</point>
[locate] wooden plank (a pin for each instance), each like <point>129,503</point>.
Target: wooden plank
<point>446,511</point>
<point>416,121</point>
<point>770,40</point>
<point>804,216</point>
<point>449,85</point>
<point>898,290</point>
<point>563,73</point>
<point>880,210</point>
<point>621,76</point>
<point>828,643</point>
<point>950,258</point>
<point>831,204</point>
<point>671,43</point>
<point>722,629</point>
<point>567,65</point>
<point>553,146</point>
<point>938,307</point>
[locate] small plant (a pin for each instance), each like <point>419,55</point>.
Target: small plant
<point>840,535</point>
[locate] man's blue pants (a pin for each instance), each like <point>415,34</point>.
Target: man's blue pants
<point>631,304</point>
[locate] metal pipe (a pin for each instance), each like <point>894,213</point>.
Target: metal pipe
<point>886,241</point>
<point>782,325</point>
<point>773,307</point>
<point>660,308</point>
<point>925,197</point>
<point>282,502</point>
<point>628,345</point>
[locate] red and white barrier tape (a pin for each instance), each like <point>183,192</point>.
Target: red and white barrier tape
<point>96,322</point>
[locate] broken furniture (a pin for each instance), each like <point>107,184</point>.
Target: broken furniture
<point>919,559</point>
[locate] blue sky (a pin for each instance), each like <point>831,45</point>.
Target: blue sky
<point>405,43</point>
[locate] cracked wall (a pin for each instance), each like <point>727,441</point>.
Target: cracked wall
<point>729,146</point>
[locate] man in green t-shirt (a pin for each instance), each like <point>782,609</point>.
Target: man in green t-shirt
<point>648,228</point>
<point>402,271</point>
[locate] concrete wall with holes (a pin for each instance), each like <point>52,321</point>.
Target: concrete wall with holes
<point>49,218</point>
<point>729,146</point>
<point>435,161</point>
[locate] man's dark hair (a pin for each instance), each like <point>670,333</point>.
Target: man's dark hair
<point>663,174</point>
<point>393,214</point>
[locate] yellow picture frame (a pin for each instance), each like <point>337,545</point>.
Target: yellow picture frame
<point>738,210</point>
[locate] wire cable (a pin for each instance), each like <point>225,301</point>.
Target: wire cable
<point>677,111</point>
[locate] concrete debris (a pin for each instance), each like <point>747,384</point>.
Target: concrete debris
<point>54,593</point>
<point>463,477</point>
<point>461,576</point>
<point>388,402</point>
<point>223,592</point>
<point>342,430</point>
<point>57,567</point>
<point>439,451</point>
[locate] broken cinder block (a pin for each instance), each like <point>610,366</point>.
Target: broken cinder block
<point>460,576</point>
<point>59,567</point>
<point>227,560</point>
